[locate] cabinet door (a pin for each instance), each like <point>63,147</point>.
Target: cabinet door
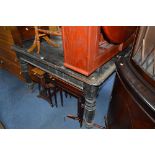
<point>8,58</point>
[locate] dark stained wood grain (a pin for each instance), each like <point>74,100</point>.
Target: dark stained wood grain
<point>10,35</point>
<point>131,100</point>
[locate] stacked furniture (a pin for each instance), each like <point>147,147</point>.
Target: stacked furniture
<point>8,58</point>
<point>82,62</point>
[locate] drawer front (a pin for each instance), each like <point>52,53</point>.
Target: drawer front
<point>10,66</point>
<point>5,34</point>
<point>6,42</point>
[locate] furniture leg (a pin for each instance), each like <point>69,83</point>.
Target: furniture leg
<point>81,110</point>
<point>25,72</point>
<point>61,96</point>
<point>50,42</point>
<point>55,97</point>
<point>37,39</point>
<point>50,97</point>
<point>34,45</point>
<point>66,94</point>
<point>90,92</point>
<point>39,87</point>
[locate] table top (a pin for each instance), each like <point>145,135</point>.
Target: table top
<point>51,60</point>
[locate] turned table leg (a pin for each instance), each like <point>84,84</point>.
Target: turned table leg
<point>25,72</point>
<point>90,92</point>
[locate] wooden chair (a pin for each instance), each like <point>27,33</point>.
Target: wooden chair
<point>44,34</point>
<point>46,86</point>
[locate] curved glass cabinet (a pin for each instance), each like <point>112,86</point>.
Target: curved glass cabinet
<point>144,51</point>
<point>133,96</point>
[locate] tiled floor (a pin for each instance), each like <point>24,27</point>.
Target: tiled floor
<point>20,108</point>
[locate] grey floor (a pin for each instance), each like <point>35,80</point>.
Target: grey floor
<point>21,108</point>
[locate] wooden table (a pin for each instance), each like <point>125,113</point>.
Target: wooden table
<point>51,60</point>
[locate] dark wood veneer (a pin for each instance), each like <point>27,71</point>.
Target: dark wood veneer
<point>133,99</point>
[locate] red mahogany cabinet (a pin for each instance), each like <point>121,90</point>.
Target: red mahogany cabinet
<point>86,48</point>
